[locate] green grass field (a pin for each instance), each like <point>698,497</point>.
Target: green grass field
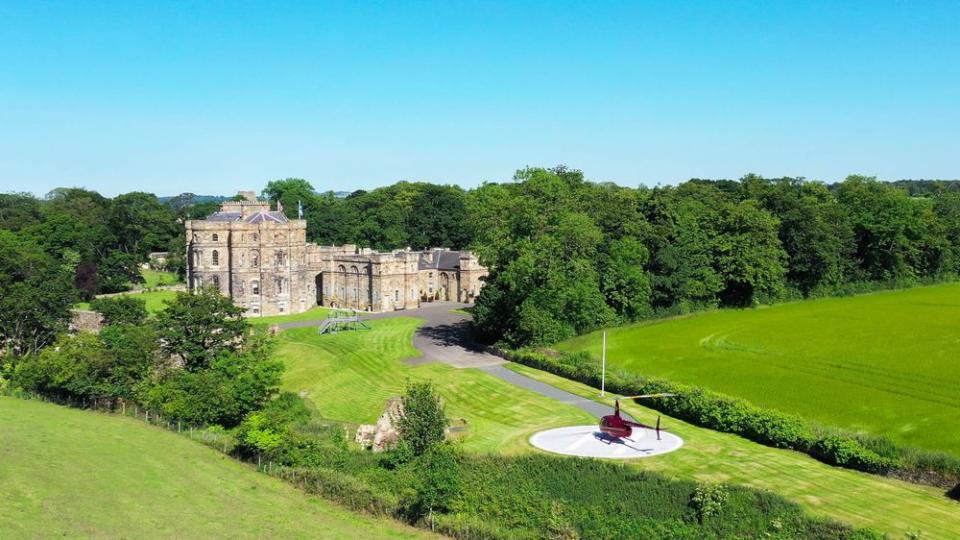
<point>349,376</point>
<point>79,474</point>
<point>154,300</point>
<point>156,278</point>
<point>309,315</point>
<point>852,497</point>
<point>884,363</point>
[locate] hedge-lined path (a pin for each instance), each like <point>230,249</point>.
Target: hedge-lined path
<point>444,337</point>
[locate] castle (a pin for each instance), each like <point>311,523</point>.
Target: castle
<point>262,260</point>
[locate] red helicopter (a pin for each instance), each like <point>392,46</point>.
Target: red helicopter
<point>618,427</point>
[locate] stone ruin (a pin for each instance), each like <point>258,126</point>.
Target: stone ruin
<point>384,434</point>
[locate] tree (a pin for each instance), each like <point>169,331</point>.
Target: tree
<point>424,419</point>
<point>747,254</point>
<point>36,294</point>
<point>199,326</point>
<point>624,279</point>
<point>437,480</point>
<point>18,211</point>
<point>291,192</point>
<point>121,309</point>
<point>142,224</point>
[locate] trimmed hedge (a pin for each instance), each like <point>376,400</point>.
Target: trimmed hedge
<point>719,412</point>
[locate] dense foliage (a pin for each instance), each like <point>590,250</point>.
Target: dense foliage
<point>772,428</point>
<point>152,364</point>
<point>534,496</point>
<point>35,295</point>
<point>567,255</point>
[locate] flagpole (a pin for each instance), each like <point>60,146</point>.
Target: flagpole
<point>603,369</point>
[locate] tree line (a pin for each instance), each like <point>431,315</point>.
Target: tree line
<point>566,255</point>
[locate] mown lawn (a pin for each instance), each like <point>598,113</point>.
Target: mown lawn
<point>155,300</point>
<point>156,278</point>
<point>883,363</point>
<point>349,376</point>
<point>316,313</point>
<point>852,497</point>
<point>79,474</point>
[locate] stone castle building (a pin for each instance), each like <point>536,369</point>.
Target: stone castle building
<point>262,260</point>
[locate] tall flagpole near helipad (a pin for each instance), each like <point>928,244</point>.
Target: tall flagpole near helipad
<point>603,366</point>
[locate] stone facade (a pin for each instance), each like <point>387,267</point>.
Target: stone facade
<point>263,261</point>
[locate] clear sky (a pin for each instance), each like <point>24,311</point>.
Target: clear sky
<point>213,97</point>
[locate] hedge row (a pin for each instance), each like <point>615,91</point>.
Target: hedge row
<point>771,428</point>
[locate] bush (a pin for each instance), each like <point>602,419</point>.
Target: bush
<point>849,453</point>
<point>708,500</point>
<point>125,309</point>
<point>348,491</point>
<point>424,419</point>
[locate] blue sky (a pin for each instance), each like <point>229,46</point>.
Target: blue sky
<point>213,97</point>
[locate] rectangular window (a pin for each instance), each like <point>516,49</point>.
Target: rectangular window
<point>255,286</point>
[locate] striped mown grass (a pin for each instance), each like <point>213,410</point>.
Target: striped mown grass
<point>349,376</point>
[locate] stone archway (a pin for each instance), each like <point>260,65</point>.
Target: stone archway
<point>445,286</point>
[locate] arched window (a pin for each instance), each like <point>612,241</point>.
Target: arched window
<point>243,258</point>
<point>255,286</point>
<point>216,258</point>
<point>215,237</point>
<point>279,285</point>
<point>256,237</point>
<point>278,257</point>
<point>255,259</point>
<point>216,282</point>
<point>342,269</point>
<point>240,287</point>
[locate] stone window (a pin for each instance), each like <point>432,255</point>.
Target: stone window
<point>240,288</point>
<point>255,286</point>
<point>255,259</point>
<point>216,258</point>
<point>215,238</point>
<point>396,296</point>
<point>256,237</point>
<point>243,258</point>
<point>279,285</point>
<point>216,281</point>
<point>278,256</point>
<point>197,282</point>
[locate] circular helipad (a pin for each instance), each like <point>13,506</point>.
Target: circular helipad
<point>589,441</point>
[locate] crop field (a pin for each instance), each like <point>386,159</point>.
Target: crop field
<point>860,499</point>
<point>79,474</point>
<point>885,363</point>
<point>350,376</point>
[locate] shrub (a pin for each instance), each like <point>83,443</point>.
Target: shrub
<point>424,419</point>
<point>348,490</point>
<point>849,453</point>
<point>125,309</point>
<point>708,500</point>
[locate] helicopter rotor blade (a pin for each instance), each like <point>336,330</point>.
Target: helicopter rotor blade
<point>643,396</point>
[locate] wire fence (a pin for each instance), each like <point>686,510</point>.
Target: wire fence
<point>213,437</point>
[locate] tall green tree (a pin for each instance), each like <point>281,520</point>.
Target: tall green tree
<point>36,293</point>
<point>197,327</point>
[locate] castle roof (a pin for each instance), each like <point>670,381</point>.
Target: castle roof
<point>439,259</point>
<point>257,217</point>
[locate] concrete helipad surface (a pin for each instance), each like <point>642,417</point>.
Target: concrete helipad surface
<point>588,441</point>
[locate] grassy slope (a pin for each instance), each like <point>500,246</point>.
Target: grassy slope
<point>351,375</point>
<point>74,473</point>
<point>857,498</point>
<point>883,363</point>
